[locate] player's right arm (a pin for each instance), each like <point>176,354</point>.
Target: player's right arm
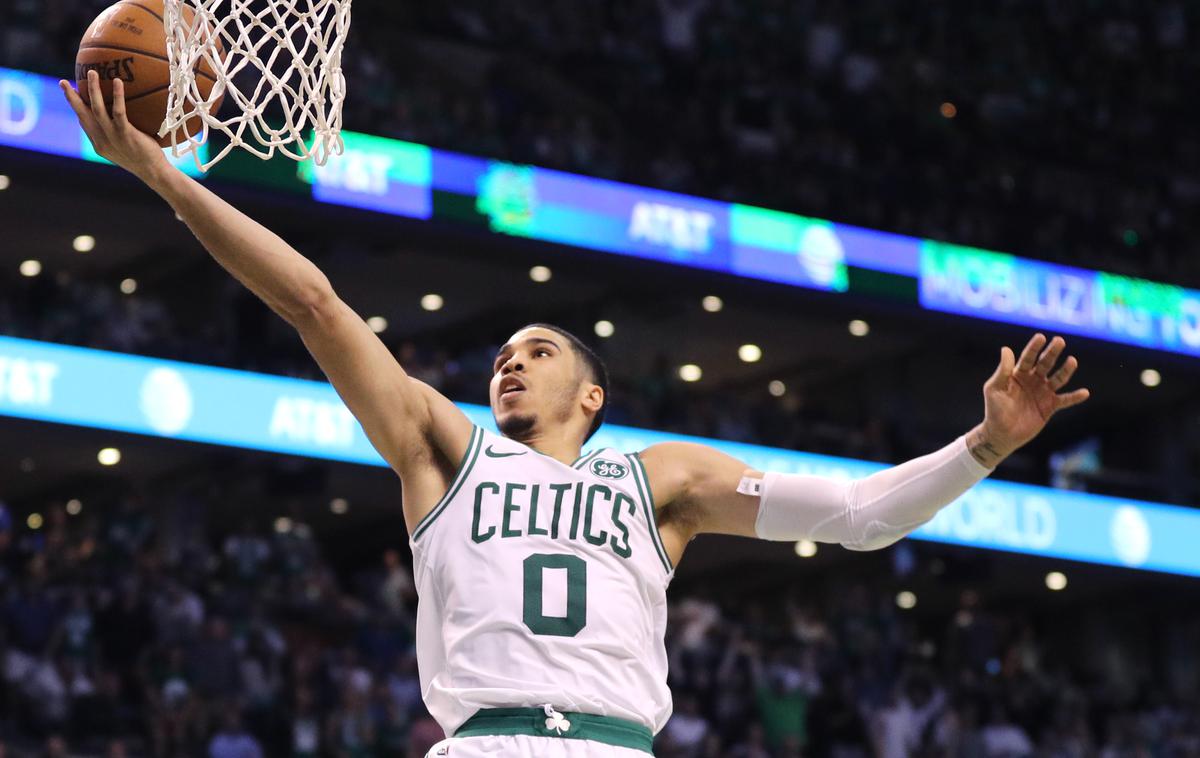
<point>698,489</point>
<point>420,433</point>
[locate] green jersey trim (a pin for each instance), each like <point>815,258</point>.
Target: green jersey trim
<point>572,726</point>
<point>643,485</point>
<point>581,462</point>
<point>464,469</point>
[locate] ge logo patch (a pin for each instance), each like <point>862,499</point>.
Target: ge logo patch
<point>609,470</point>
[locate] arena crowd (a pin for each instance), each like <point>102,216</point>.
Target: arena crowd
<point>139,624</point>
<point>1054,130</point>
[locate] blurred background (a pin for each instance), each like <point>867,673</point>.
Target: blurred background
<point>186,593</point>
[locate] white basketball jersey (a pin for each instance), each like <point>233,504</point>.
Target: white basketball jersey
<point>542,583</point>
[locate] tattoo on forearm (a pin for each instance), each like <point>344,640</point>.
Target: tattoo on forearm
<point>985,453</point>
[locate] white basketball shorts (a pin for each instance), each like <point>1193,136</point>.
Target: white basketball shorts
<point>526,746</point>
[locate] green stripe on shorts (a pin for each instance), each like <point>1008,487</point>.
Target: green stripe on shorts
<point>583,726</point>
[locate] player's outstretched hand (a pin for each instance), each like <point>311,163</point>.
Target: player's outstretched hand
<point>1022,395</point>
<point>113,136</point>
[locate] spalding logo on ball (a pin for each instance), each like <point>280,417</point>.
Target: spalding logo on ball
<point>128,41</point>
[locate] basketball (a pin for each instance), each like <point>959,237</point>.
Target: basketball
<point>128,41</point>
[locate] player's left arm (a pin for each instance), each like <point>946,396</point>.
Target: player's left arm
<point>698,489</point>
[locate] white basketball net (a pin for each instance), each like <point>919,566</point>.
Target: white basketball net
<point>291,53</point>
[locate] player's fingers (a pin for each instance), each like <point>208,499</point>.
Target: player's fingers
<point>1029,355</point>
<point>99,111</point>
<point>86,120</point>
<point>1000,376</point>
<point>1064,373</point>
<point>1071,398</point>
<point>1050,355</point>
<point>120,121</point>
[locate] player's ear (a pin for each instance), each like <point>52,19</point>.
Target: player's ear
<point>592,397</point>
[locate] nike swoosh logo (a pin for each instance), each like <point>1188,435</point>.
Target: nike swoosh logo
<point>489,453</point>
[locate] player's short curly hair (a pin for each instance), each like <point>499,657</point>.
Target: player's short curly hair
<point>597,372</point>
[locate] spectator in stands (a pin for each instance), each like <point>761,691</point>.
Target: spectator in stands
<point>396,591</point>
<point>213,663</point>
<point>351,731</point>
<point>686,733</point>
<point>899,727</point>
<point>246,553</point>
<point>56,747</point>
<point>782,691</point>
<point>835,723</point>
<point>754,746</point>
<point>174,707</point>
<point>232,740</point>
<point>1002,738</point>
<point>305,725</point>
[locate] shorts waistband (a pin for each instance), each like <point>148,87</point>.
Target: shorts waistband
<point>572,726</point>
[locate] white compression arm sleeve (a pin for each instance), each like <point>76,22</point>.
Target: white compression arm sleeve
<point>868,513</point>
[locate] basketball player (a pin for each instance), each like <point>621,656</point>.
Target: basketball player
<point>542,572</point>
